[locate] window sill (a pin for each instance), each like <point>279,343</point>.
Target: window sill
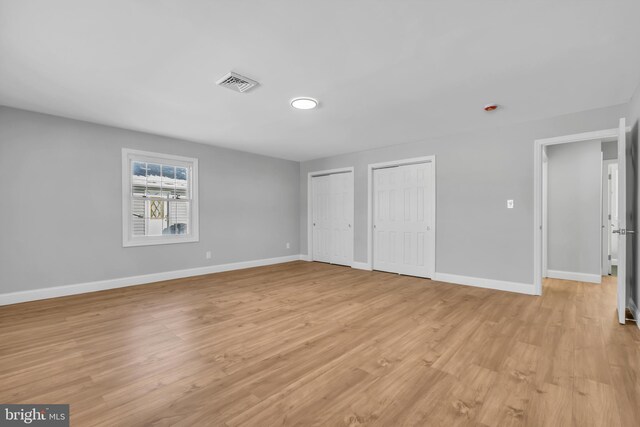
<point>159,241</point>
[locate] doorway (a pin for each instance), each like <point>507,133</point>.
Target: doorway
<point>627,173</point>
<point>572,211</point>
<point>330,231</point>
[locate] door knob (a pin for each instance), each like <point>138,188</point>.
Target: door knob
<point>623,231</point>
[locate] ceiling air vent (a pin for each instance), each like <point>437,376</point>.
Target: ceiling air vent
<point>236,82</point>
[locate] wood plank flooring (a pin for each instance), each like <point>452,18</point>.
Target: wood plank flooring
<point>314,344</point>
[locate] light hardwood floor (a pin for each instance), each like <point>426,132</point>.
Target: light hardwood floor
<point>314,344</point>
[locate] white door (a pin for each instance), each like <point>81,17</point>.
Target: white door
<point>341,206</point>
<point>609,216</point>
<point>321,218</point>
<point>626,218</point>
<point>332,205</point>
<point>404,207</point>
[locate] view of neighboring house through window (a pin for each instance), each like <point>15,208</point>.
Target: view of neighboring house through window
<point>160,199</point>
<point>160,203</point>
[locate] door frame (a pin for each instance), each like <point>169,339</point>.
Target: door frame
<point>310,175</point>
<point>606,134</point>
<point>403,162</point>
<point>545,212</point>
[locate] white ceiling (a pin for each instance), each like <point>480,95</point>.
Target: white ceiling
<point>385,72</point>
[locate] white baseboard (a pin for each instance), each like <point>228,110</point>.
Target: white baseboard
<point>101,285</point>
<point>635,311</point>
<point>500,285</point>
<point>356,265</point>
<point>361,266</point>
<point>570,275</point>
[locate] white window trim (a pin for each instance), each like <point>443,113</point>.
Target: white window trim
<point>127,238</point>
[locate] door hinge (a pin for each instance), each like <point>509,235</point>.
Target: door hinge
<point>609,257</point>
<point>609,176</point>
<point>609,216</point>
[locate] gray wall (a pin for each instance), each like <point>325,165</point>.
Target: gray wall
<point>574,203</point>
<point>249,204</point>
<point>609,150</point>
<point>476,235</point>
<point>61,210</point>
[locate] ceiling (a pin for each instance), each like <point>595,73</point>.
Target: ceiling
<point>385,72</point>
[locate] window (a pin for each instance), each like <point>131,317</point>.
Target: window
<point>159,198</point>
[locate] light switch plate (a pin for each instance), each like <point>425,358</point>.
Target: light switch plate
<point>509,204</point>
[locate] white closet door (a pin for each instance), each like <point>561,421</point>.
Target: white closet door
<point>321,186</point>
<point>387,225</point>
<point>332,205</point>
<point>403,220</point>
<point>341,205</point>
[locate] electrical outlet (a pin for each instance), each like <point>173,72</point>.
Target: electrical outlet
<point>207,254</point>
<point>288,245</point>
<point>509,204</point>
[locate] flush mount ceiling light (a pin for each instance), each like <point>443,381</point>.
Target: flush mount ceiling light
<point>304,103</point>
